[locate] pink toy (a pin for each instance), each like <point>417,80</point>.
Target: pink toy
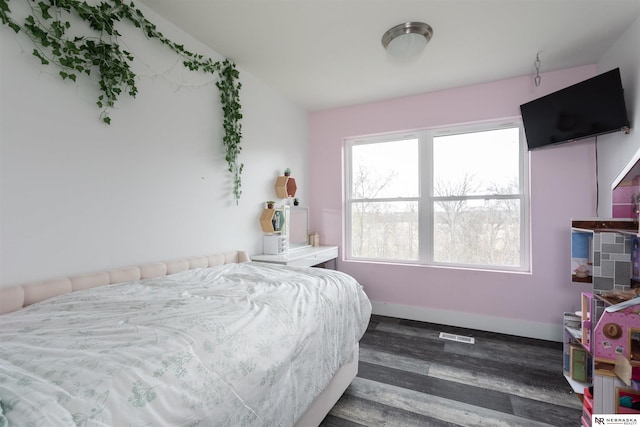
<point>618,333</point>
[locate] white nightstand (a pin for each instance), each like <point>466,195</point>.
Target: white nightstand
<point>304,257</point>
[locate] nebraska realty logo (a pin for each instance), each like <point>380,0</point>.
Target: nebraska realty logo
<point>616,420</point>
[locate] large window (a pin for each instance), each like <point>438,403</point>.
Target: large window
<point>456,197</point>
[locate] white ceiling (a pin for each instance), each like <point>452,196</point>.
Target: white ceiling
<point>327,53</point>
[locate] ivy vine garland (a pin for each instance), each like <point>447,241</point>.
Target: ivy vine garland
<point>48,27</point>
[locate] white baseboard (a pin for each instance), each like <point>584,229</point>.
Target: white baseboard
<point>521,328</point>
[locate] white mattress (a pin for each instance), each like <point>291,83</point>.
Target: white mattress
<point>235,345</point>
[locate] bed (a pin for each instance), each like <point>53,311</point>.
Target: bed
<point>207,341</point>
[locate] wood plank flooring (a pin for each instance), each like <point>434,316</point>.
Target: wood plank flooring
<point>408,376</point>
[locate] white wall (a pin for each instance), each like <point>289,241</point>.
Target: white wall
<point>78,196</point>
<point>616,150</point>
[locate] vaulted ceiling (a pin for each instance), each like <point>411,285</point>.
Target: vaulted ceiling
<point>327,53</point>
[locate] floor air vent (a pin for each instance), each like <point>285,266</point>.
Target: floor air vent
<point>458,338</point>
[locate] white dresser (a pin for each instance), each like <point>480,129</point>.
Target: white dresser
<point>303,257</point>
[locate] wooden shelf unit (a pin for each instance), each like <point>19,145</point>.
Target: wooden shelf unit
<point>266,220</point>
<point>285,187</point>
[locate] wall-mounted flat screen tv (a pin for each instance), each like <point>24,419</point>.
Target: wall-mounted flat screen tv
<point>589,108</point>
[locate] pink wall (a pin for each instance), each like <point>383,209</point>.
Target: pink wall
<point>562,187</point>
<point>622,200</point>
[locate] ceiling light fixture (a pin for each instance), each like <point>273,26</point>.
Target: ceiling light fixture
<point>407,39</point>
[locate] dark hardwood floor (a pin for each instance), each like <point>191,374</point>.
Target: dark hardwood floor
<point>408,376</point>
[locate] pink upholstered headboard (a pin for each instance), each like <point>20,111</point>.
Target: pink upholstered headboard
<point>13,298</point>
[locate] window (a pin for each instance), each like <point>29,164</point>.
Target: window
<point>456,197</point>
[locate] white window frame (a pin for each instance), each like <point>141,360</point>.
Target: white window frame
<point>425,197</point>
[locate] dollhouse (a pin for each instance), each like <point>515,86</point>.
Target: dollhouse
<point>602,352</point>
<point>602,341</point>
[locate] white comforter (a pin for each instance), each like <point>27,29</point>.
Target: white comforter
<point>236,345</point>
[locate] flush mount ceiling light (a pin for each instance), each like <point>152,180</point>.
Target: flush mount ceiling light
<point>407,39</point>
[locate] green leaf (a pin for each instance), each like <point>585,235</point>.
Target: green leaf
<point>38,55</point>
<point>4,13</point>
<point>15,27</point>
<point>103,53</point>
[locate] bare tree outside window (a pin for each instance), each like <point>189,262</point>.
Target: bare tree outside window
<point>440,198</point>
<point>383,227</point>
<point>367,215</point>
<point>476,203</point>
